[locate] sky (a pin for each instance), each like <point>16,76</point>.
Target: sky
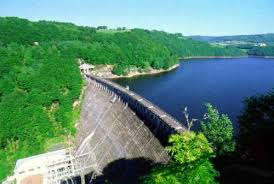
<point>189,17</point>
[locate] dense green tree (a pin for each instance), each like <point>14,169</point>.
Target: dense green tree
<point>191,153</point>
<point>253,161</point>
<point>218,129</point>
<point>257,131</point>
<point>101,27</point>
<point>199,172</point>
<point>38,86</point>
<point>189,147</point>
<point>262,51</point>
<point>119,70</point>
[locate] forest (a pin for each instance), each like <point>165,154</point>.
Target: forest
<point>38,86</point>
<point>261,51</point>
<point>123,48</point>
<point>40,79</point>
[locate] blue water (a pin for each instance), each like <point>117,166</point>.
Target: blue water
<point>223,82</point>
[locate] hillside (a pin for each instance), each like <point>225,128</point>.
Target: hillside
<point>40,82</point>
<point>136,47</point>
<point>254,45</point>
<point>258,38</point>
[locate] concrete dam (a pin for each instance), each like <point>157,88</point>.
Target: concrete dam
<point>117,125</point>
<point>120,136</point>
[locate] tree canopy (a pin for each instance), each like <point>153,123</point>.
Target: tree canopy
<point>122,48</point>
<point>256,130</point>
<point>38,86</point>
<point>191,153</point>
<point>219,131</point>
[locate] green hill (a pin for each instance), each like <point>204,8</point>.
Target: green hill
<point>254,45</point>
<point>257,38</point>
<point>136,47</point>
<point>40,80</point>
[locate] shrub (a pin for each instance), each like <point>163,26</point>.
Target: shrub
<point>219,131</point>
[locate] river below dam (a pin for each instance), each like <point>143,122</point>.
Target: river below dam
<point>225,83</point>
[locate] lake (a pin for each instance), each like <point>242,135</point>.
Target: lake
<point>223,82</point>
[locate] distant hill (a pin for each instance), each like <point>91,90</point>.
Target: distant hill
<point>258,38</point>
<point>255,45</point>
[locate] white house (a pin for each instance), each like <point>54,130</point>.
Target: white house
<point>85,68</point>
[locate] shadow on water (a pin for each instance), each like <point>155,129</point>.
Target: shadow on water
<point>122,171</point>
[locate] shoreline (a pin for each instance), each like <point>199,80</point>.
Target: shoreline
<point>213,57</point>
<point>153,72</point>
<point>225,57</point>
<point>266,57</point>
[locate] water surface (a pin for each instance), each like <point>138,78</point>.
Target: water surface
<point>223,82</point>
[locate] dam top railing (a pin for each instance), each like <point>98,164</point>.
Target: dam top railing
<point>167,118</point>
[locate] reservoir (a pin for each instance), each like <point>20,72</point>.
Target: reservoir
<point>224,83</point>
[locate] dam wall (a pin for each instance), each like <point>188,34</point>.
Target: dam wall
<point>120,135</point>
<point>160,123</point>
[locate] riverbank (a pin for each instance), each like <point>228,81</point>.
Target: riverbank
<point>105,72</point>
<point>266,57</point>
<point>226,57</point>
<point>213,57</point>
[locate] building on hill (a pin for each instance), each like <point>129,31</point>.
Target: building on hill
<point>262,44</point>
<point>85,68</point>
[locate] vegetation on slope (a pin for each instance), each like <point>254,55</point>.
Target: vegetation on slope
<point>186,47</point>
<point>255,50</point>
<point>257,131</point>
<point>38,86</point>
<point>193,153</point>
<point>191,162</point>
<point>257,38</point>
<point>252,161</point>
<point>218,129</point>
<point>262,51</point>
<point>40,79</point>
<point>196,156</point>
<point>136,47</point>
